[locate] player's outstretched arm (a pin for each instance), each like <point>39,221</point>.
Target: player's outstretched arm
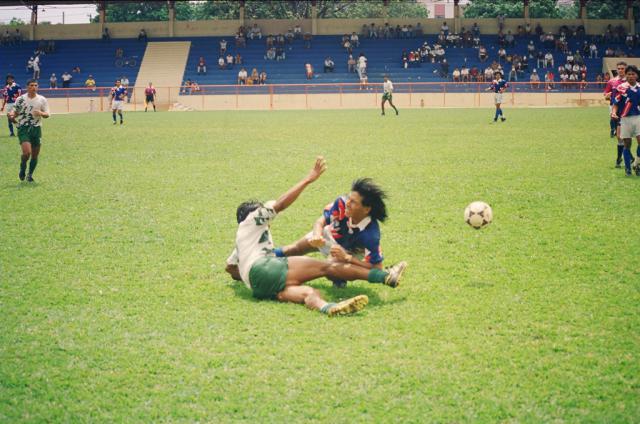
<point>292,194</point>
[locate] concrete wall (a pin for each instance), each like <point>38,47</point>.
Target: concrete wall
<point>324,27</point>
<point>369,100</point>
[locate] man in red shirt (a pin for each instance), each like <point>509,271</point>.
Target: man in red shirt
<point>150,97</point>
<point>610,92</point>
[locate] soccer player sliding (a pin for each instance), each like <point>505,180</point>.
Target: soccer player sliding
<point>269,277</point>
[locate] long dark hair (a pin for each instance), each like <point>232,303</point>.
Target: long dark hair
<point>372,196</point>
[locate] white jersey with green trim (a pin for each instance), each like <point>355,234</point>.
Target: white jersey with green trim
<point>253,240</point>
<point>388,87</point>
<point>24,108</point>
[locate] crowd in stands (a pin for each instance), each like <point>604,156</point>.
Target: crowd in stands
<point>11,38</point>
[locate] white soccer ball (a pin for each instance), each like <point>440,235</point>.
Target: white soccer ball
<point>478,214</point>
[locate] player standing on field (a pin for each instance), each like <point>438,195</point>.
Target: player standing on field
<point>627,106</point>
<point>118,95</point>
<point>11,93</point>
<point>28,112</point>
<point>498,86</point>
<point>387,87</point>
<point>610,92</point>
<point>150,97</point>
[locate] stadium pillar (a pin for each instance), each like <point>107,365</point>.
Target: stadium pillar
<point>241,13</point>
<point>629,16</point>
<point>172,16</point>
<point>34,22</point>
<point>314,17</point>
<point>385,10</point>
<point>583,9</point>
<point>456,16</point>
<point>526,10</point>
<point>102,16</point>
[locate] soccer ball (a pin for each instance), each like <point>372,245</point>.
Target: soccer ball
<point>478,215</point>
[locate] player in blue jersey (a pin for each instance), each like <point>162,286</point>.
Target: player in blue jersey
<point>498,86</point>
<point>348,229</point>
<point>11,93</point>
<point>118,96</point>
<point>627,107</point>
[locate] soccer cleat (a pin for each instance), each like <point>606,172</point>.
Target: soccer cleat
<point>627,172</point>
<point>395,273</point>
<point>349,306</point>
<point>30,179</point>
<point>618,163</point>
<point>397,113</point>
<point>114,122</point>
<point>121,122</point>
<point>503,118</point>
<point>495,119</point>
<point>382,114</point>
<point>12,135</point>
<point>339,284</point>
<point>21,175</point>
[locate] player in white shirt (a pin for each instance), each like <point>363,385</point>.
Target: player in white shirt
<point>387,87</point>
<point>28,113</point>
<point>254,262</point>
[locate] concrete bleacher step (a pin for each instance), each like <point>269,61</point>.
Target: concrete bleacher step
<point>163,64</point>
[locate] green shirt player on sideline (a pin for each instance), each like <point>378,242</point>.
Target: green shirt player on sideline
<point>269,277</point>
<point>387,87</point>
<point>28,113</point>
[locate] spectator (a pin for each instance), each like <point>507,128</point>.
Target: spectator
<point>6,38</point>
<point>464,74</point>
<point>418,32</point>
<point>539,31</point>
<point>548,60</point>
<point>263,78</point>
<point>223,47</point>
<point>280,54</point>
<point>444,29</point>
<point>90,83</point>
<point>229,61</point>
<point>531,49</point>
<point>362,65</point>
<point>30,65</point>
<point>364,80</point>
<point>475,29</point>
<point>527,29</point>
<point>201,68</point>
<point>593,51</point>
<point>307,37</point>
<point>36,67</point>
<point>119,52</point>
<point>221,63</point>
<point>53,81</point>
<point>455,75</point>
<point>255,77</point>
<point>510,39</point>
<point>373,31</point>
<point>629,41</point>
<point>241,41</point>
<point>297,32</point>
<point>488,74</point>
<point>238,59</point>
<point>186,87</point>
<point>540,61</point>
<point>355,40</point>
<point>548,79</point>
<point>444,68</point>
<point>242,76</point>
<point>502,54</point>
<point>51,47</point>
<point>76,70</point>
<point>308,70</point>
<point>66,79</point>
<point>255,32</point>
<point>105,35</point>
<point>142,35</point>
<point>351,64</point>
<point>288,36</point>
<point>501,22</point>
<point>125,83</point>
<point>17,37</point>
<point>600,80</point>
<point>534,79</point>
<point>329,65</point>
<point>513,74</point>
<point>271,54</point>
<point>482,54</point>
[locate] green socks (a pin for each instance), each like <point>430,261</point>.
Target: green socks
<point>32,165</point>
<point>325,308</point>
<point>376,275</point>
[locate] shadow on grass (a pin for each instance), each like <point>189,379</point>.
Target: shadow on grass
<point>19,185</point>
<point>330,293</point>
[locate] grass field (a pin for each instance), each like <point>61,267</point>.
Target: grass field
<point>114,304</point>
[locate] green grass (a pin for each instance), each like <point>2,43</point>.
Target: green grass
<point>111,309</point>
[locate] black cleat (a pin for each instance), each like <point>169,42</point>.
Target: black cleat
<point>30,179</point>
<point>382,114</point>
<point>121,122</point>
<point>114,122</point>
<point>21,175</point>
<point>627,172</point>
<point>503,119</point>
<point>397,113</point>
<point>12,135</point>
<point>612,134</point>
<point>618,163</point>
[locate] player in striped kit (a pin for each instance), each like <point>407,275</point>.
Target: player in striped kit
<point>118,96</point>
<point>627,107</point>
<point>10,93</point>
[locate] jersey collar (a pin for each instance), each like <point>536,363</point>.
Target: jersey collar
<point>361,225</point>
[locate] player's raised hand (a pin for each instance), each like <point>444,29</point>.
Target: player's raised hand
<point>318,169</point>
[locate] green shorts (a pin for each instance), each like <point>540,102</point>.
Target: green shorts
<point>387,96</point>
<point>30,134</point>
<point>267,277</point>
